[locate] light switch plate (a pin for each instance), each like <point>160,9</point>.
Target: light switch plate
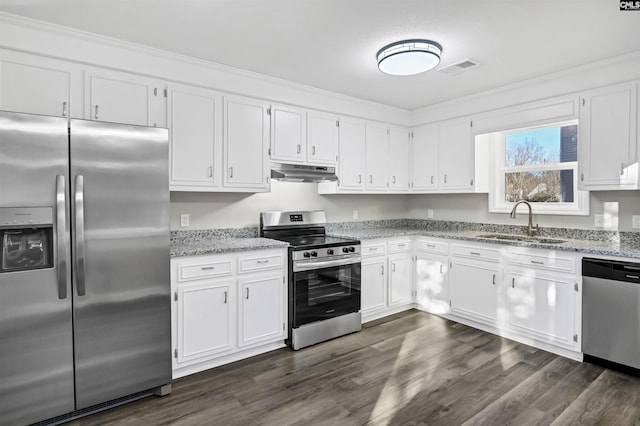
<point>635,221</point>
<point>184,219</point>
<point>355,214</point>
<point>430,213</point>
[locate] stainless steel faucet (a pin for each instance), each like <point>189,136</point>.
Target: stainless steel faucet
<point>532,230</point>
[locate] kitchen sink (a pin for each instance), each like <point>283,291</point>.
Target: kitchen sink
<point>520,238</point>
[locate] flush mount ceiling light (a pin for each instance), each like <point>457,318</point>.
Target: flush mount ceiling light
<point>409,57</point>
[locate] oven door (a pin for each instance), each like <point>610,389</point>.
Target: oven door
<point>325,289</point>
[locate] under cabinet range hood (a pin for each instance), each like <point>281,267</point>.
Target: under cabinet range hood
<point>302,173</point>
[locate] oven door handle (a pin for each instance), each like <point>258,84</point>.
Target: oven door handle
<point>308,265</point>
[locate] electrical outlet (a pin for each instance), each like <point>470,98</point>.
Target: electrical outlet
<point>184,219</point>
<point>430,213</point>
<point>635,221</point>
<point>355,214</point>
<point>599,221</point>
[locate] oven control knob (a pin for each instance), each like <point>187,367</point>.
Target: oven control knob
<point>306,254</point>
<point>329,251</point>
<point>352,249</point>
<point>314,254</point>
<point>345,249</point>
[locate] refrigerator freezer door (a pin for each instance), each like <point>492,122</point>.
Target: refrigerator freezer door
<point>120,205</point>
<point>36,347</point>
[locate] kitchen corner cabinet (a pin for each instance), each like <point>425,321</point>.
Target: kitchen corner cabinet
<point>195,134</point>
<point>424,158</point>
<point>322,138</point>
<point>39,85</point>
<point>376,156</point>
<point>288,134</point>
<point>246,143</point>
<point>432,275</point>
<point>119,97</point>
<point>456,151</point>
<point>399,159</point>
<point>400,272</point>
<point>351,159</point>
<point>475,283</point>
<point>226,307</point>
<point>608,138</point>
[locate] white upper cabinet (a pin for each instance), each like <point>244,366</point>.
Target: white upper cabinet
<point>608,138</point>
<point>456,156</point>
<point>288,134</point>
<point>352,154</point>
<point>195,131</point>
<point>124,98</point>
<point>323,138</point>
<point>424,158</point>
<point>246,141</point>
<point>39,85</point>
<point>377,156</point>
<point>398,158</point>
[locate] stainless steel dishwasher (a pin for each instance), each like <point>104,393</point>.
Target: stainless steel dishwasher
<point>611,311</point>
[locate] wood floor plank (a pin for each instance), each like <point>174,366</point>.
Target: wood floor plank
<point>411,368</point>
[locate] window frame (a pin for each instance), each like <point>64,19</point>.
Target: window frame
<point>497,202</point>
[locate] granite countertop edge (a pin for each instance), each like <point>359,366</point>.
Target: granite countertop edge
<point>595,247</point>
<point>224,245</point>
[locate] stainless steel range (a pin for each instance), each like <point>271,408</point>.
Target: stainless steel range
<point>324,277</point>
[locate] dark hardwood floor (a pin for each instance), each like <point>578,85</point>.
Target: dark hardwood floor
<point>409,369</point>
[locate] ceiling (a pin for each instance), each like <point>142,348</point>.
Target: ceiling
<point>331,44</point>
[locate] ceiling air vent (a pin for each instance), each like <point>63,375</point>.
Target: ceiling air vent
<point>458,67</point>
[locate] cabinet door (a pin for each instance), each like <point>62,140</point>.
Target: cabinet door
<point>125,98</point>
<point>39,85</point>
<point>351,158</point>
<point>424,158</point>
<point>400,279</point>
<point>608,138</point>
<point>473,290</point>
<point>399,158</point>
<point>456,156</point>
<point>377,156</point>
<point>204,320</point>
<point>195,130</point>
<point>543,307</point>
<point>323,138</point>
<point>246,140</point>
<point>261,309</point>
<point>288,134</point>
<point>432,287</point>
<point>374,284</point>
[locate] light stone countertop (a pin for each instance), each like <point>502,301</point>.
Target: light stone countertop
<point>223,245</point>
<point>605,247</point>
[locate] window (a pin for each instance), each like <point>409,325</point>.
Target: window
<point>539,165</point>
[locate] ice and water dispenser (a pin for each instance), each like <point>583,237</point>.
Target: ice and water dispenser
<point>26,238</point>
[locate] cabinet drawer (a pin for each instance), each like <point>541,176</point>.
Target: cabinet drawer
<point>475,252</point>
<point>551,261</point>
<point>397,246</point>
<point>431,246</point>
<point>197,270</point>
<point>259,262</point>
<point>373,249</point>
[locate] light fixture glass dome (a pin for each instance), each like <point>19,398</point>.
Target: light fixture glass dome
<point>409,57</point>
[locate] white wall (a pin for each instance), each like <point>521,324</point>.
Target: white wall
<point>620,205</point>
<point>232,210</point>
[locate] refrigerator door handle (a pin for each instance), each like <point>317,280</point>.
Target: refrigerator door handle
<point>79,228</point>
<point>61,237</point>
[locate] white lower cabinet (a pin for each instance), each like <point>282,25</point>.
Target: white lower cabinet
<point>226,307</point>
<point>204,319</point>
<point>262,308</point>
<point>432,275</point>
<point>474,289</point>
<point>387,277</point>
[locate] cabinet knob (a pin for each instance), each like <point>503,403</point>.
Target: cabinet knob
<point>230,172</point>
<point>95,115</point>
<point>299,149</point>
<point>313,150</point>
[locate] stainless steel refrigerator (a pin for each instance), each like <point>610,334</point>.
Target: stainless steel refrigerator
<point>84,272</point>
